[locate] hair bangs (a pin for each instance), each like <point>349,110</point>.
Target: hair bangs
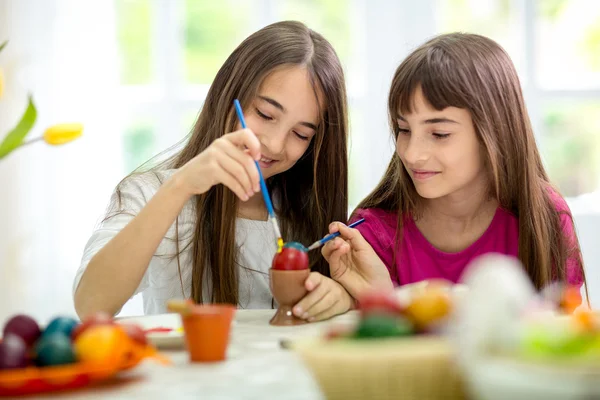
<point>433,70</point>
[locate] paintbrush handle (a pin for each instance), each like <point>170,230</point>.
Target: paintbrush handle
<point>263,185</point>
<point>265,193</point>
<point>331,236</point>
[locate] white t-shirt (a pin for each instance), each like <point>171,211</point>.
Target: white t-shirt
<point>255,239</point>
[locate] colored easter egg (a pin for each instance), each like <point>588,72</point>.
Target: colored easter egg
<point>428,307</point>
<point>107,344</point>
<point>295,245</point>
<point>23,326</point>
<point>54,349</point>
<point>586,321</point>
<point>61,325</point>
<point>571,299</point>
<point>99,318</point>
<point>13,352</point>
<point>380,302</point>
<point>291,258</point>
<point>380,326</point>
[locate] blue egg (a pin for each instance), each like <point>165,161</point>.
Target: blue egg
<point>55,349</point>
<point>295,245</point>
<point>62,325</point>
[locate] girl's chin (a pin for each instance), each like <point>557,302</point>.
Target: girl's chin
<point>430,193</point>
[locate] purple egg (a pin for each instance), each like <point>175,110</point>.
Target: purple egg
<point>13,352</point>
<point>23,326</point>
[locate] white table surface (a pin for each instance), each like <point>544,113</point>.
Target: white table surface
<point>256,366</point>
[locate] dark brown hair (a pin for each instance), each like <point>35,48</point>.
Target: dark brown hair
<point>474,73</point>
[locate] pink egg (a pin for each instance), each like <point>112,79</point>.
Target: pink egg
<point>13,352</point>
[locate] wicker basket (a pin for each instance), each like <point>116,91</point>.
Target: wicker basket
<point>401,368</point>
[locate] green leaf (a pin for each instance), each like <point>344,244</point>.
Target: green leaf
<point>16,136</point>
<point>3,45</point>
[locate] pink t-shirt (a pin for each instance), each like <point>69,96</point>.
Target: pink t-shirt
<point>419,260</point>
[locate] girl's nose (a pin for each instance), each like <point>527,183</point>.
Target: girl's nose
<point>274,141</point>
<point>416,150</point>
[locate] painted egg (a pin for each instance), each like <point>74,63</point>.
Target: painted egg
<point>428,307</point>
<point>107,344</point>
<point>379,302</point>
<point>54,349</point>
<point>13,352</point>
<point>99,318</point>
<point>295,245</point>
<point>23,326</point>
<point>292,257</point>
<point>61,325</point>
<point>380,326</point>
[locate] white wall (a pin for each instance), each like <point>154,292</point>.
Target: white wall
<point>588,230</point>
<point>62,52</point>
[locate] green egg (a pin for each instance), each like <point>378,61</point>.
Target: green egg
<point>54,349</point>
<point>62,325</point>
<point>380,326</point>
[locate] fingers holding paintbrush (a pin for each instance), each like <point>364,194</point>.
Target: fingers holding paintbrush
<point>331,236</point>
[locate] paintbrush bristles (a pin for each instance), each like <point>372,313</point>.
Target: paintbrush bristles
<point>276,226</point>
<point>315,245</point>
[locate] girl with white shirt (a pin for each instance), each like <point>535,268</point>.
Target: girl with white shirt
<point>196,226</point>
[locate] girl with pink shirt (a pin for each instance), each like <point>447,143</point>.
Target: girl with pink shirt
<point>466,179</point>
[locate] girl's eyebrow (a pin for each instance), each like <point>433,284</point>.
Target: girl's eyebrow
<point>432,120</point>
<point>273,102</point>
<point>279,106</point>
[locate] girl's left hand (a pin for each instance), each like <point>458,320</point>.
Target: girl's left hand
<point>326,298</point>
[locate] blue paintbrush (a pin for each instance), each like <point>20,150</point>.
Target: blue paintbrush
<point>263,185</point>
<point>327,238</point>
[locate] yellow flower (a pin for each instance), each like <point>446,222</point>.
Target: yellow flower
<point>1,83</point>
<point>62,133</point>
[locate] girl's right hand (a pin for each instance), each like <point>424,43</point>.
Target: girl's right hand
<point>228,160</point>
<point>353,262</point>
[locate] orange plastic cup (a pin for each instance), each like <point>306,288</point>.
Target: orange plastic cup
<point>206,331</point>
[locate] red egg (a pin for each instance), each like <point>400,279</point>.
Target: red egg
<point>99,318</point>
<point>291,258</point>
<point>23,326</point>
<point>378,302</point>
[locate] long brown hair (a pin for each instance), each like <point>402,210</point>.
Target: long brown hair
<point>474,73</point>
<point>312,193</point>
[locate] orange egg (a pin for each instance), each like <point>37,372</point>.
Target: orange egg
<point>571,299</point>
<point>105,344</point>
<point>586,320</point>
<point>428,307</point>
